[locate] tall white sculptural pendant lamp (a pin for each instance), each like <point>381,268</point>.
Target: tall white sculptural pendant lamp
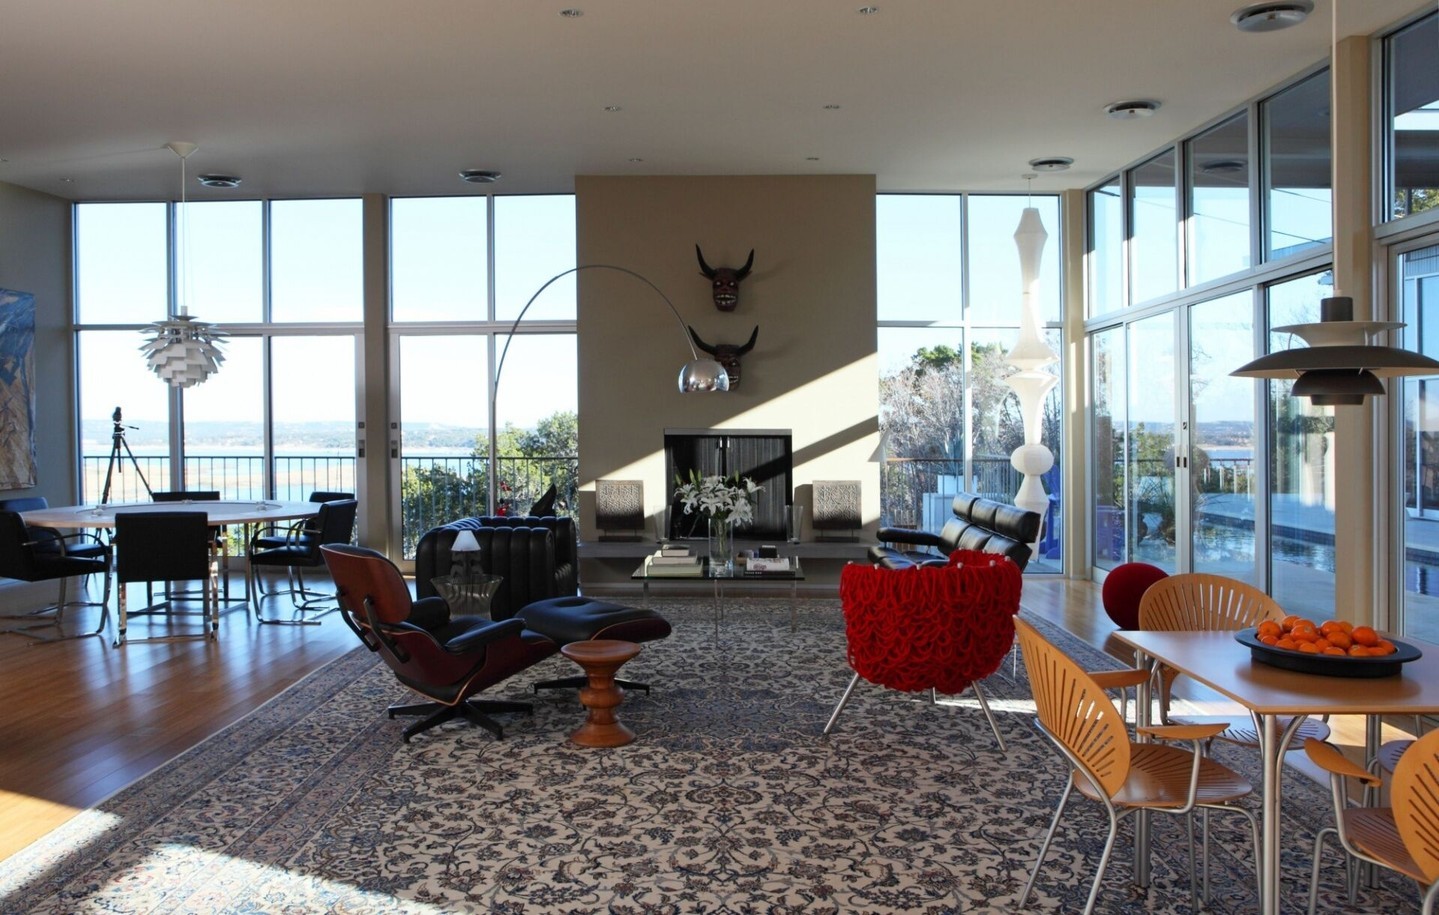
<point>1031,383</point>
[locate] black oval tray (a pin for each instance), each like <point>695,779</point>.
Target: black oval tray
<point>1326,664</point>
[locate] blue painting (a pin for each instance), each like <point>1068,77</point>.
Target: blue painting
<point>17,389</point>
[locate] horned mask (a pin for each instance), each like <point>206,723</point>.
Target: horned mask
<point>727,354</point>
<point>725,280</point>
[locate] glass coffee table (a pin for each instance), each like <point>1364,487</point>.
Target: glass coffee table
<point>719,579</point>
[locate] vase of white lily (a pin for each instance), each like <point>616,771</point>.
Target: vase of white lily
<point>721,544</point>
<point>726,503</point>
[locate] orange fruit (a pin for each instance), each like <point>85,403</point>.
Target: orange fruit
<point>1286,642</point>
<point>1303,632</point>
<point>1340,639</point>
<point>1322,643</point>
<point>1292,620</point>
<point>1384,647</point>
<point>1269,628</point>
<point>1358,651</point>
<point>1333,650</point>
<point>1308,648</point>
<point>1364,635</point>
<point>1269,639</point>
<point>1329,626</point>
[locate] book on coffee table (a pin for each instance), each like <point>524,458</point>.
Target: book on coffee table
<point>653,569</point>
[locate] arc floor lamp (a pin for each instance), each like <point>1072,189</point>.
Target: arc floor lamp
<point>695,376</point>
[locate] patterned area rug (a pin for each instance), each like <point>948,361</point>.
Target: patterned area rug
<point>730,801</point>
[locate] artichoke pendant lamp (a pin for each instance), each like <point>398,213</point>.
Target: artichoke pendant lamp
<point>182,351</point>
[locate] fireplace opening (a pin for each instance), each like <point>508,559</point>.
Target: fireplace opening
<point>764,455</point>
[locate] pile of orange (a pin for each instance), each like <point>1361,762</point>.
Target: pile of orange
<point>1331,637</point>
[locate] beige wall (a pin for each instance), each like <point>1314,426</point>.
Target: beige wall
<point>35,241</point>
<point>811,292</point>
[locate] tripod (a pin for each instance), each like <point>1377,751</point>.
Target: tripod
<point>117,442</point>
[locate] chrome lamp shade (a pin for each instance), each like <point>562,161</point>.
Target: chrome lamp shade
<point>183,352</point>
<point>702,376</point>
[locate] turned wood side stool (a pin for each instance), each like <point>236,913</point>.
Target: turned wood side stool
<point>601,659</point>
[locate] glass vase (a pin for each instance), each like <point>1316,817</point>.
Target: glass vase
<point>721,545</point>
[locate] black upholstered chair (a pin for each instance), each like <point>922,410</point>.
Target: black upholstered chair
<point>75,546</point>
<point>285,534</point>
<point>445,660</point>
<point>35,554</point>
<point>166,546</point>
<point>217,533</point>
<point>332,525</point>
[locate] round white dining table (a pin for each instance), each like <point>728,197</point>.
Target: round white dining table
<point>218,512</point>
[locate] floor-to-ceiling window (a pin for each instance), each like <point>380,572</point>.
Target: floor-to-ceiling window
<point>949,304</point>
<point>278,419</point>
<point>1178,478</point>
<point>463,269</point>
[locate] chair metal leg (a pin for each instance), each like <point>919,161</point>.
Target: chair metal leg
<point>843,700</point>
<point>1104,862</point>
<point>1048,837</point>
<point>42,619</point>
<point>1314,868</point>
<point>984,707</point>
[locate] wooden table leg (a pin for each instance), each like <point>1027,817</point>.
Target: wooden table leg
<point>601,659</point>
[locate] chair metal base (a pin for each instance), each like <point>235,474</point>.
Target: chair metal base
<point>42,619</point>
<point>934,700</point>
<point>303,599</point>
<point>473,709</point>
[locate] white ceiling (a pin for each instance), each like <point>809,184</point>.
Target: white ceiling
<point>342,97</point>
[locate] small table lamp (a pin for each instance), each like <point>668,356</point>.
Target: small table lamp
<point>462,552</point>
<point>467,590</point>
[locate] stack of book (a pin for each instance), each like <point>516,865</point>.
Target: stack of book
<point>673,560</point>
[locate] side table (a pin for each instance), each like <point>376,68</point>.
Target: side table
<point>467,594</point>
<point>601,659</point>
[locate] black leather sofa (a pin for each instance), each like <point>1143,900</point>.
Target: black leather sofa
<point>432,555</point>
<point>536,587</point>
<point>978,524</point>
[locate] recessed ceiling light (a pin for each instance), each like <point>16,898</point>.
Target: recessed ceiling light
<point>868,10</point>
<point>218,180</point>
<point>1131,109</point>
<point>831,107</point>
<point>572,13</point>
<point>614,108</point>
<point>1224,167</point>
<point>479,176</point>
<point>1051,163</point>
<point>1271,17</point>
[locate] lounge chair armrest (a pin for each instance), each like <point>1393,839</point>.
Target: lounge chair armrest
<point>486,635</point>
<point>1327,757</point>
<point>1184,731</point>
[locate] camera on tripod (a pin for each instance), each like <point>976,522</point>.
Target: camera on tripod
<point>118,444</point>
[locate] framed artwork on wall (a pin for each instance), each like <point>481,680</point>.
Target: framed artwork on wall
<point>17,389</point>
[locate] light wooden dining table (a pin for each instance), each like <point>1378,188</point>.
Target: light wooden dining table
<point>1270,694</point>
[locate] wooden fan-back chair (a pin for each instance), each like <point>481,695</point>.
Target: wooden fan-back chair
<point>1200,602</point>
<point>1107,766</point>
<point>940,628</point>
<point>1403,837</point>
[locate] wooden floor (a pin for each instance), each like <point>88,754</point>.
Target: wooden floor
<point>82,719</point>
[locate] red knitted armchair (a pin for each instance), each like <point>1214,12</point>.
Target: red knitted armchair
<point>940,628</point>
